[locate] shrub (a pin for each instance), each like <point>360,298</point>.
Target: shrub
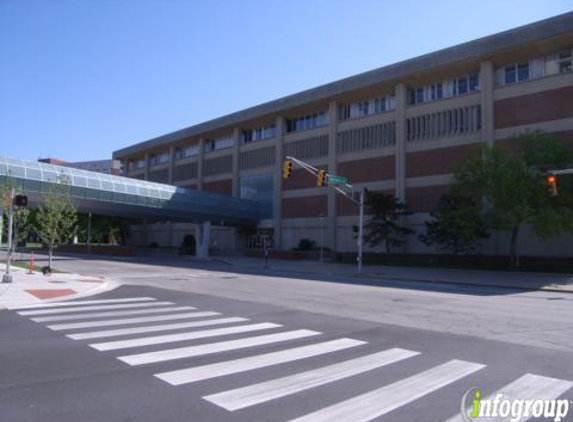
<point>306,245</point>
<point>188,245</point>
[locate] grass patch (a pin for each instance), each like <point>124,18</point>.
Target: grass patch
<point>26,266</point>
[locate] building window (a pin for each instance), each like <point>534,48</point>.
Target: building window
<point>462,86</point>
<point>445,89</point>
<point>565,63</point>
<point>437,91</point>
<point>474,82</point>
<point>137,164</point>
<point>258,134</point>
<point>190,151</point>
<point>510,74</point>
<point>344,112</point>
<point>516,72</point>
<point>157,159</point>
<point>309,121</point>
<point>219,143</point>
<point>258,187</point>
<point>523,72</point>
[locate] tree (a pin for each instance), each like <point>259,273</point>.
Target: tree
<point>23,224</point>
<point>457,224</point>
<point>116,229</point>
<point>384,225</point>
<point>56,217</point>
<point>512,184</point>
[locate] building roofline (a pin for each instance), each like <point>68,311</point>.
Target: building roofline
<point>535,31</point>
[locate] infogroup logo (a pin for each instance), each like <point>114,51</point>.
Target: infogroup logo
<point>516,409</point>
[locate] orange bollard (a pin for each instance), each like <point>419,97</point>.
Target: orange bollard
<point>31,263</point>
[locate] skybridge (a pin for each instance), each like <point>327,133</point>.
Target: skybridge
<point>125,197</point>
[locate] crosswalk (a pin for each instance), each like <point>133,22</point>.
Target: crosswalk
<point>145,331</point>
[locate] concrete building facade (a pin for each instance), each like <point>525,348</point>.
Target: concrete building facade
<point>401,129</point>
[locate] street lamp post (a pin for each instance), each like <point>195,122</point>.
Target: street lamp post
<point>7,278</point>
<point>337,183</point>
<point>321,219</point>
<point>360,230</point>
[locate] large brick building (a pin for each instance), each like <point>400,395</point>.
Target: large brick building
<point>401,129</point>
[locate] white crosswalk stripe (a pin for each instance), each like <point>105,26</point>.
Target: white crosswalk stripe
<point>97,314</point>
<point>112,314</point>
<point>206,349</point>
<point>83,302</point>
<point>93,308</point>
<point>376,403</point>
<point>259,393</point>
<point>198,373</point>
<point>528,386</point>
<point>172,338</point>
<point>126,321</point>
<point>154,328</point>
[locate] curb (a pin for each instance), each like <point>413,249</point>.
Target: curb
<point>547,288</point>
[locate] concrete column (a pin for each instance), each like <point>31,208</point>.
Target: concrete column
<point>400,151</point>
<point>202,239</point>
<point>146,173</point>
<point>330,232</point>
<point>278,186</point>
<point>236,146</point>
<point>487,85</point>
<point>200,159</point>
<point>171,164</point>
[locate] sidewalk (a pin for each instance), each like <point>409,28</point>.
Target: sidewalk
<point>29,289</point>
<point>521,280</point>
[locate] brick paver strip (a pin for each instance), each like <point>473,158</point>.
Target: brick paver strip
<point>50,293</point>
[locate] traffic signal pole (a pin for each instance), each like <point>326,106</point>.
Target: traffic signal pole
<point>349,195</point>
<point>7,277</point>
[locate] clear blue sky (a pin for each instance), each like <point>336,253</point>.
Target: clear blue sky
<point>81,78</point>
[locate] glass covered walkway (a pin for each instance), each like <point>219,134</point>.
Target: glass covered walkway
<point>121,196</point>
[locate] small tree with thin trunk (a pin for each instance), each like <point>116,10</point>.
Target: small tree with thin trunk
<point>384,225</point>
<point>56,217</point>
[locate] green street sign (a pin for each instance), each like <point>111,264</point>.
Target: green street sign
<point>337,180</point>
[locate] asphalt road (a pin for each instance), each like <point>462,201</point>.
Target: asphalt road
<point>541,319</point>
<point>271,349</point>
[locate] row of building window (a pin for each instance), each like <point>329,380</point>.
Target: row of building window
<point>186,152</point>
<point>443,124</point>
<point>259,134</point>
<point>217,144</point>
<point>444,89</point>
<point>309,121</point>
<point>539,67</point>
<point>560,62</point>
<point>367,107</point>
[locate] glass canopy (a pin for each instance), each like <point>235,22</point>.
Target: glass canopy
<point>111,192</point>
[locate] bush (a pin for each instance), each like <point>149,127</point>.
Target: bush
<point>188,245</point>
<point>306,245</point>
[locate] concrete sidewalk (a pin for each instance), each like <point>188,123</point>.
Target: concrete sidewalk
<point>510,279</point>
<point>28,289</point>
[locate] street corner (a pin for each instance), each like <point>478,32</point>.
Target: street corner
<point>31,288</point>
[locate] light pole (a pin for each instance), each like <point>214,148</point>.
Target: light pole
<point>321,219</point>
<point>7,278</point>
<point>360,230</point>
<point>337,183</point>
<point>89,233</point>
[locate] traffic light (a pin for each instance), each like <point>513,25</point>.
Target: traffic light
<point>287,169</point>
<point>552,184</point>
<point>321,178</point>
<point>21,201</point>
